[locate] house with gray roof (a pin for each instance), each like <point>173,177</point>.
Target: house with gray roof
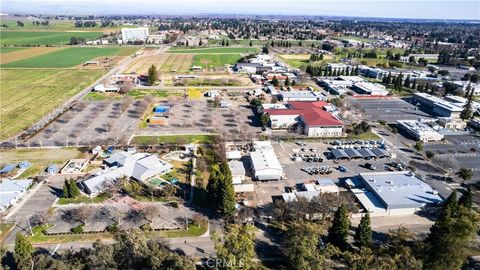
<point>11,191</point>
<point>139,166</point>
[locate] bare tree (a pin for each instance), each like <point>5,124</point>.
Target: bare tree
<point>125,104</point>
<point>150,212</point>
<point>126,87</point>
<point>81,214</point>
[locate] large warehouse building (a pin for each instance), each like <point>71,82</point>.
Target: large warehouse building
<point>393,193</point>
<point>264,163</point>
<point>418,130</point>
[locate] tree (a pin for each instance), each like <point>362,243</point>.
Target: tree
<point>275,81</point>
<point>302,247</point>
<point>338,232</point>
<point>236,249</point>
<point>467,198</point>
<point>150,212</point>
<point>23,252</point>
<point>250,43</point>
<point>450,236</point>
<point>467,111</point>
<point>465,173</point>
<point>418,146</point>
<point>70,189</point>
<point>363,234</point>
<point>265,50</point>
<point>152,75</point>
<point>429,154</point>
<point>287,82</point>
<point>264,119</point>
<point>228,201</point>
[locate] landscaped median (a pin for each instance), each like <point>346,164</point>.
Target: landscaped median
<point>173,139</point>
<point>41,237</point>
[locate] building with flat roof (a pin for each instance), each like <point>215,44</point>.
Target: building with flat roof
<point>264,162</point>
<point>309,118</point>
<point>418,130</point>
<point>437,106</point>
<point>301,95</point>
<point>311,189</point>
<point>368,88</point>
<point>394,193</point>
<point>134,34</point>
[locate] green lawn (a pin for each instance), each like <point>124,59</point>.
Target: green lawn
<point>201,139</point>
<point>140,93</point>
<point>210,61</point>
<point>42,38</point>
<point>63,58</point>
<point>9,49</point>
<point>213,50</point>
<point>28,94</point>
<point>84,199</point>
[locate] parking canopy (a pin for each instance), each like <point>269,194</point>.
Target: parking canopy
<point>381,153</point>
<point>367,153</point>
<point>339,154</point>
<point>353,153</point>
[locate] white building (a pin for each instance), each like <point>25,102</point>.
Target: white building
<point>101,88</point>
<point>11,191</point>
<point>139,166</point>
<point>438,106</point>
<point>264,162</point>
<point>393,193</point>
<point>371,89</point>
<point>420,131</point>
<point>134,34</point>
<point>311,189</point>
<point>305,95</point>
<point>238,177</point>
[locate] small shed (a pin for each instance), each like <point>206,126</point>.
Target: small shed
<point>52,169</point>
<point>24,165</point>
<point>161,109</point>
<point>7,168</point>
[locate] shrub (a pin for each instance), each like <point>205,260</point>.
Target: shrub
<point>112,228</point>
<point>78,229</point>
<point>146,227</point>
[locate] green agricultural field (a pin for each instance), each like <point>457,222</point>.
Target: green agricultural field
<point>7,50</point>
<point>214,50</point>
<point>209,61</point>
<point>42,38</point>
<point>28,94</point>
<point>64,58</point>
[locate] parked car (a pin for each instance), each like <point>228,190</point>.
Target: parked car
<point>300,143</point>
<point>342,169</point>
<point>370,166</point>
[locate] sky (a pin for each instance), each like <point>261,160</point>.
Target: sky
<point>427,9</point>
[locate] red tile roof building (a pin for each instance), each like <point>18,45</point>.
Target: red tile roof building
<point>309,118</point>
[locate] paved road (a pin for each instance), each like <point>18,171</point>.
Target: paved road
<point>37,203</point>
<point>233,88</point>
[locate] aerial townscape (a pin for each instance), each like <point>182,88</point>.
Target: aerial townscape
<point>265,135</point>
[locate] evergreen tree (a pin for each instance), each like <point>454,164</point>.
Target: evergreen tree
<point>66,189</point>
<point>363,234</point>
<point>227,203</point>
<point>325,72</point>
<point>467,111</point>
<point>450,236</point>
<point>152,75</point>
<point>265,50</point>
<point>407,81</point>
<point>23,252</point>
<point>466,199</point>
<point>389,78</point>
<point>275,81</point>
<point>223,42</point>
<point>74,191</point>
<point>338,232</point>
<point>250,43</point>
<point>227,43</point>
<point>414,84</point>
<point>356,71</point>
<point>287,82</point>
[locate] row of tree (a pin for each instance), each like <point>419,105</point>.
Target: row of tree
<point>131,250</point>
<point>220,189</point>
<point>325,71</point>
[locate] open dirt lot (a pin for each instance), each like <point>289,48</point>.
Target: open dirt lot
<point>180,63</point>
